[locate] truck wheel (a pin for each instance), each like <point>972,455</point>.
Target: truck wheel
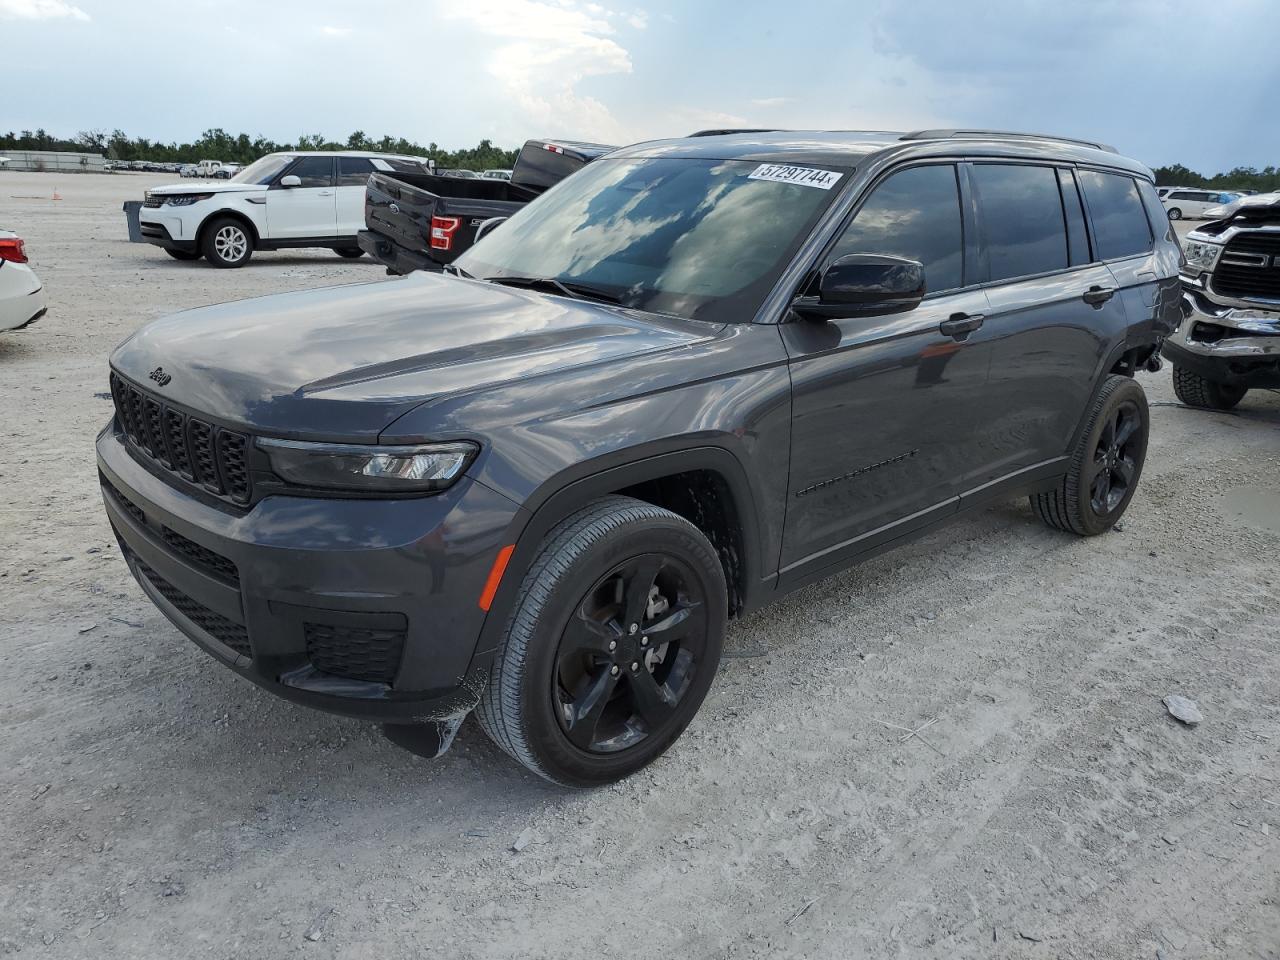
<point>351,253</point>
<point>1195,391</point>
<point>227,243</point>
<point>612,646</point>
<point>1105,466</point>
<point>182,254</point>
<point>1175,213</point>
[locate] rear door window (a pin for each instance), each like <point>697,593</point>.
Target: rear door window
<point>1022,224</point>
<point>1120,226</point>
<point>915,214</point>
<point>1077,233</point>
<point>354,171</point>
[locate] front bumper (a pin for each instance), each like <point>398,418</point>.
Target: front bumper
<point>310,598</point>
<point>1232,345</point>
<point>160,231</point>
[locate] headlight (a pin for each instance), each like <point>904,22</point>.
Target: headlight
<point>416,469</point>
<point>186,199</point>
<point>1201,256</point>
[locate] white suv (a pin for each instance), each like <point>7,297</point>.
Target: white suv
<point>303,199</point>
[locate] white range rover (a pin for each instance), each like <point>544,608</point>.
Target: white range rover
<point>295,199</point>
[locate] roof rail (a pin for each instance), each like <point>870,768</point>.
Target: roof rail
<point>1001,135</point>
<point>728,130</point>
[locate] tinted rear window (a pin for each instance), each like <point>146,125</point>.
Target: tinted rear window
<point>1120,225</point>
<point>353,171</point>
<point>1021,215</point>
<point>914,214</point>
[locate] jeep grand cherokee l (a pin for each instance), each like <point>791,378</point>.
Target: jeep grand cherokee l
<point>683,382</point>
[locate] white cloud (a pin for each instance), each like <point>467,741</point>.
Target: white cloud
<point>639,19</point>
<point>40,10</point>
<point>544,51</point>
<point>772,101</point>
<point>335,31</point>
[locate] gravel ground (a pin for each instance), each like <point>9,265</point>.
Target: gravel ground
<point>157,805</point>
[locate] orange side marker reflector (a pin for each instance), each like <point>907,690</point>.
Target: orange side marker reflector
<point>495,577</point>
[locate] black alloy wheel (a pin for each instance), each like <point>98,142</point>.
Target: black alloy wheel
<point>1115,459</point>
<point>629,654</point>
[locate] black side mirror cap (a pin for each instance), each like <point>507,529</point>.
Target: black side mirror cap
<point>863,284</point>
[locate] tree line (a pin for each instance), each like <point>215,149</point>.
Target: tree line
<point>217,144</point>
<point>1266,180</point>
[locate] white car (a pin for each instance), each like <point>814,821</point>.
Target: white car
<point>1239,203</point>
<point>21,293</point>
<point>1192,204</point>
<point>283,200</point>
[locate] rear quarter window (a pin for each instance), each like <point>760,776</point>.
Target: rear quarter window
<point>1120,227</point>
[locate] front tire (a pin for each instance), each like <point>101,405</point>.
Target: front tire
<point>1175,213</point>
<point>227,243</point>
<point>182,254</point>
<point>1195,391</point>
<point>612,646</point>
<point>1105,466</point>
<point>350,253</point>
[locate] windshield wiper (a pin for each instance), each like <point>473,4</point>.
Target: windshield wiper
<point>570,288</point>
<point>457,271</point>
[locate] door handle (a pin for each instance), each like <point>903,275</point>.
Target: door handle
<point>960,325</point>
<point>1097,295</point>
<point>325,193</point>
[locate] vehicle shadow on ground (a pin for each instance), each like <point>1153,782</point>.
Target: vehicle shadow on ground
<point>262,259</point>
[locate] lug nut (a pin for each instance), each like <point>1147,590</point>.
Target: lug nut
<point>613,645</point>
<point>634,628</point>
<point>635,667</point>
<point>613,671</point>
<point>644,641</point>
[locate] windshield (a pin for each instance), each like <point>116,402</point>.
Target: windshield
<point>701,239</point>
<point>263,169</point>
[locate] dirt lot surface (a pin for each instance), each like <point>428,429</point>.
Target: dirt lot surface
<point>155,805</point>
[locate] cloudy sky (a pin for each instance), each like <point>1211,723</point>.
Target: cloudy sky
<point>1165,80</point>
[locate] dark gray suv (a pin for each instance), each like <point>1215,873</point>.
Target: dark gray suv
<point>685,381</point>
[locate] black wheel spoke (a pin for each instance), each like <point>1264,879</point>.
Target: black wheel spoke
<point>673,622</point>
<point>586,634</point>
<point>636,583</point>
<point>1108,435</point>
<point>1128,426</point>
<point>1125,469</point>
<point>653,701</point>
<point>582,716</point>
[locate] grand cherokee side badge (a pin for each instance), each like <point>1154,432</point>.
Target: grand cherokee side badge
<point>160,377</point>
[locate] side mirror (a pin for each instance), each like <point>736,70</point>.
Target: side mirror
<point>864,284</point>
<point>487,227</point>
<point>292,180</point>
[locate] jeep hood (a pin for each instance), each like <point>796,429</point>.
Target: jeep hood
<point>343,363</point>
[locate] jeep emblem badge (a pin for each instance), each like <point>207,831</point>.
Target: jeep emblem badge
<point>160,377</point>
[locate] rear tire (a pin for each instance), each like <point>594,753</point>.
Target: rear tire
<point>350,253</point>
<point>1175,213</point>
<point>182,254</point>
<point>612,646</point>
<point>1195,391</point>
<point>1105,466</point>
<point>227,243</point>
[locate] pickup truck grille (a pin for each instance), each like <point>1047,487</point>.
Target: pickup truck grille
<point>1249,267</point>
<point>190,449</point>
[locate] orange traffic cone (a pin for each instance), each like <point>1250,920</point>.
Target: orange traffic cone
<point>56,195</point>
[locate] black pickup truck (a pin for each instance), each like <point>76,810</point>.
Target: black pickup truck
<point>422,221</point>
